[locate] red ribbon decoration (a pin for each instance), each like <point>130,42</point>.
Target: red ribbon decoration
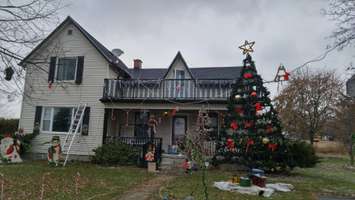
<point>234,125</point>
<point>253,94</point>
<point>239,110</point>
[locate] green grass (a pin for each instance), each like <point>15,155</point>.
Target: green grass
<point>24,181</point>
<point>328,178</point>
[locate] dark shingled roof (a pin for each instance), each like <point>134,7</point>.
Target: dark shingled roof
<point>232,72</point>
<point>115,62</point>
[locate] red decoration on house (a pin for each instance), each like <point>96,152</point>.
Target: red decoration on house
<point>248,124</point>
<point>249,143</point>
<point>272,147</point>
<point>234,125</point>
<point>258,106</point>
<point>248,75</point>
<point>253,94</point>
<point>230,144</point>
<point>286,76</point>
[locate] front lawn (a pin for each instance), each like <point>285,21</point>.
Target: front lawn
<point>24,181</point>
<point>328,178</point>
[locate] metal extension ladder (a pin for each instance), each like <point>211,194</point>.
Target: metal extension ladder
<point>75,125</point>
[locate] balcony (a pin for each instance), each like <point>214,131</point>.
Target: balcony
<point>167,89</point>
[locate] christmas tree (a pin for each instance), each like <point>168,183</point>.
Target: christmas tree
<point>252,132</point>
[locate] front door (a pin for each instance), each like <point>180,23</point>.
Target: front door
<point>179,129</point>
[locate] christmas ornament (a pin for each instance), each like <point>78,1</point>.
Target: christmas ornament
<point>248,124</point>
<point>249,143</point>
<point>248,75</point>
<point>239,110</point>
<point>234,125</point>
<point>230,144</point>
<point>247,47</point>
<point>269,129</point>
<point>166,114</point>
<point>237,96</point>
<point>253,94</point>
<point>272,146</point>
<point>266,140</point>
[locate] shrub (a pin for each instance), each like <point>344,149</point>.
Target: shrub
<point>116,154</point>
<point>302,154</point>
<point>8,126</point>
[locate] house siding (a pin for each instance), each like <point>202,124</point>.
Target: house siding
<point>37,92</point>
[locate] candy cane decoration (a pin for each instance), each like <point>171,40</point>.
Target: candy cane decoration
<point>43,184</point>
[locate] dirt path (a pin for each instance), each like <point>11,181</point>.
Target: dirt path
<point>147,189</point>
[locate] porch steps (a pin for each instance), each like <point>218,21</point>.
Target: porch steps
<point>171,161</point>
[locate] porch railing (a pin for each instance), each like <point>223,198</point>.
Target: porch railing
<point>184,89</point>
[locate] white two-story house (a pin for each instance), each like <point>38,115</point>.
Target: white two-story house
<point>71,67</point>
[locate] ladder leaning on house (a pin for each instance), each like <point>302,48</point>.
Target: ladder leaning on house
<point>74,128</point>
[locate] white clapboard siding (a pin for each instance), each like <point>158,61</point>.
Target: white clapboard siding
<point>96,69</point>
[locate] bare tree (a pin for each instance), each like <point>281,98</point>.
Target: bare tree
<point>308,102</point>
<point>23,24</point>
<point>343,124</point>
<point>343,13</point>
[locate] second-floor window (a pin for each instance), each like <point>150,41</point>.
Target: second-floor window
<point>66,69</point>
<point>179,74</point>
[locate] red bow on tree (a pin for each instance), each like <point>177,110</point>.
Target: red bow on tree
<point>249,143</point>
<point>258,106</point>
<point>230,144</point>
<point>248,75</point>
<point>234,125</point>
<point>272,147</point>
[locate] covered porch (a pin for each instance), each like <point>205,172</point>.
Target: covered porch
<point>130,124</point>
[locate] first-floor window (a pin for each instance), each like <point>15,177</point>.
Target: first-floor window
<point>56,119</point>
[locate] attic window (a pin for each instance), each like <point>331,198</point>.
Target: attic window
<point>70,32</point>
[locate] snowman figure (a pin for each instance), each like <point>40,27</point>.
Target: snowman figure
<point>10,148</point>
<point>54,151</point>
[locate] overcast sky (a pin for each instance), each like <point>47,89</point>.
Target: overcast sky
<point>208,32</point>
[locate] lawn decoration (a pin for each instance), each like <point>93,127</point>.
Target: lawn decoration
<point>152,124</point>
<point>150,158</point>
<point>9,149</point>
<point>187,166</point>
<point>55,151</point>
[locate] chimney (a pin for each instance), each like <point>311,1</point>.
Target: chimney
<point>137,64</point>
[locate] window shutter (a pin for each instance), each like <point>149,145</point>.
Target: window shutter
<point>85,125</point>
<point>52,69</point>
<point>79,70</point>
<point>37,121</point>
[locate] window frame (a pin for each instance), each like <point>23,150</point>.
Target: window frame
<point>56,69</point>
<point>52,117</point>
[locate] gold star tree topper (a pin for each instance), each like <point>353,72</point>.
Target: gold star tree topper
<point>247,47</point>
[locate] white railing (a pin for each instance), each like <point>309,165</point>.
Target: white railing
<point>189,89</point>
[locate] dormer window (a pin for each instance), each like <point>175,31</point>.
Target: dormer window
<point>66,69</point>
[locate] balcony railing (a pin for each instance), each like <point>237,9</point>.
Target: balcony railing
<point>184,89</point>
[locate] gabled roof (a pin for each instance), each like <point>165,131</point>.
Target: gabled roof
<point>178,57</point>
<point>231,72</point>
<point>115,62</point>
